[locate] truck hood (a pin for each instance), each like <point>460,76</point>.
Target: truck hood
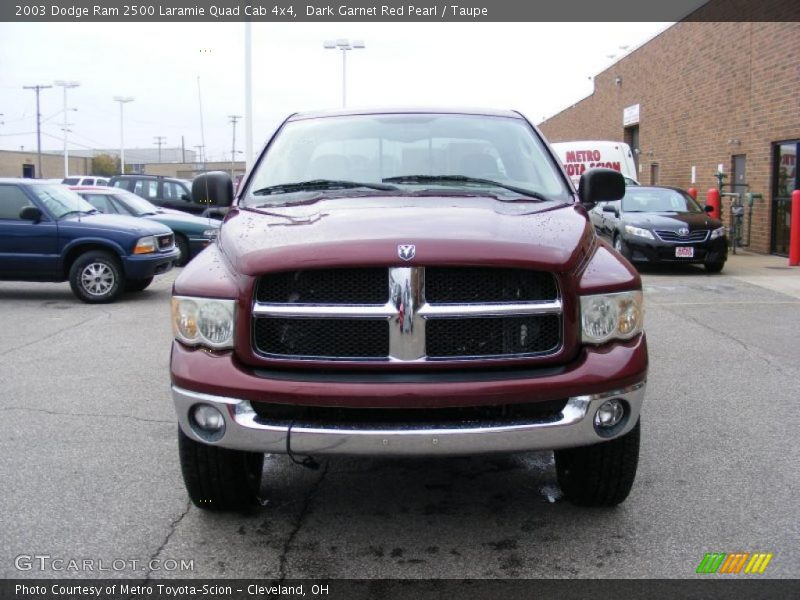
<point>119,223</point>
<point>366,231</point>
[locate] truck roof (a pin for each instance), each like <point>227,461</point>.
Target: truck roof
<point>486,112</point>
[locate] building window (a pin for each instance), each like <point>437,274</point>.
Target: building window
<point>784,181</point>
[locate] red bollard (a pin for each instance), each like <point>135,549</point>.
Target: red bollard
<point>692,192</point>
<point>794,231</point>
<point>713,200</point>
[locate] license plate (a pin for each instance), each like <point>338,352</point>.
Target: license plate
<point>684,252</point>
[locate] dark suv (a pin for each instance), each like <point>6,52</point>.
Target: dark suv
<point>161,191</point>
<point>50,233</point>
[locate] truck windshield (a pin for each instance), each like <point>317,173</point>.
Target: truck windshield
<point>412,153</point>
<point>60,201</point>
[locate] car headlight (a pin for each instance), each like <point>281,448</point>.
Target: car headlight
<point>211,233</point>
<point>639,232</point>
<point>719,232</point>
<point>203,321</point>
<point>611,316</point>
<point>145,245</point>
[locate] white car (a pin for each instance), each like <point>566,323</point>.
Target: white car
<point>85,180</point>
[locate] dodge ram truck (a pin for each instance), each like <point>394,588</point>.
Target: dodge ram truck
<point>407,282</point>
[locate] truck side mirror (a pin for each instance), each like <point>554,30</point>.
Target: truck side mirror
<point>597,185</point>
<point>214,188</point>
<point>30,213</point>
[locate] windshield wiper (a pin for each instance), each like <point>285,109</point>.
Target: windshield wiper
<point>320,184</point>
<point>464,179</point>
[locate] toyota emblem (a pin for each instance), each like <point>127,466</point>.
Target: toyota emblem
<point>683,231</point>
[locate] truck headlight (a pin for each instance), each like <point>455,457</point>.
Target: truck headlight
<point>719,232</point>
<point>203,321</point>
<point>611,316</point>
<point>145,245</point>
<point>639,232</point>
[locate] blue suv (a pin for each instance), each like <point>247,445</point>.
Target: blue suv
<point>50,233</point>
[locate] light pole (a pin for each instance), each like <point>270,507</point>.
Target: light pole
<point>233,120</point>
<point>344,45</point>
<point>66,85</point>
<point>122,101</point>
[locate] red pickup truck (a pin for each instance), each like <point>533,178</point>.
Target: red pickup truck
<point>407,282</point>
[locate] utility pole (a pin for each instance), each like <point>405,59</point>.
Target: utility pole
<point>159,141</point>
<point>183,150</point>
<point>199,156</point>
<point>234,119</point>
<point>202,130</point>
<point>66,85</point>
<point>37,89</point>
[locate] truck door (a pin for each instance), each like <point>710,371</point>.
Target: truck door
<point>28,250</point>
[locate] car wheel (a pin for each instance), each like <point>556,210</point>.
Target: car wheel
<point>621,247</point>
<point>601,474</point>
<point>96,277</point>
<point>714,267</point>
<point>217,478</point>
<point>137,285</point>
<point>183,247</point>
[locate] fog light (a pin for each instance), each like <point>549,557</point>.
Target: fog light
<point>609,414</point>
<point>208,418</point>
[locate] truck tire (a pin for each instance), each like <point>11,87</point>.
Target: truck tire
<point>621,247</point>
<point>219,479</point>
<point>137,285</point>
<point>96,277</point>
<point>601,474</point>
<point>182,244</point>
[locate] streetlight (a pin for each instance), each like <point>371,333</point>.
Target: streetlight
<point>66,85</point>
<point>122,100</point>
<point>344,45</point>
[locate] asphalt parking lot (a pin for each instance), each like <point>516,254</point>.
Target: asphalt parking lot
<point>89,465</point>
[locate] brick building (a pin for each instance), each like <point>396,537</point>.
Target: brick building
<point>14,163</point>
<point>699,95</point>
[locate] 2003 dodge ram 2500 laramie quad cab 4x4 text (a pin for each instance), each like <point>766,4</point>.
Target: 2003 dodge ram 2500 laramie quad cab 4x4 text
<point>403,283</point>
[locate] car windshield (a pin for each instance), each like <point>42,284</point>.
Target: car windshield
<point>61,201</point>
<point>405,153</point>
<point>136,205</point>
<point>638,199</point>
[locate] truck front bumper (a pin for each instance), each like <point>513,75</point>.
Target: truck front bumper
<point>244,430</point>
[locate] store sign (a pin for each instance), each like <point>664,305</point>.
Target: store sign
<point>630,115</point>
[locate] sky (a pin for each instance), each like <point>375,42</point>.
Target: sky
<point>537,68</point>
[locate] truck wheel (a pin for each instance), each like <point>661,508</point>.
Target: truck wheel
<point>183,247</point>
<point>218,478</point>
<point>601,474</point>
<point>137,285</point>
<point>96,277</point>
<point>621,247</point>
<point>714,267</point>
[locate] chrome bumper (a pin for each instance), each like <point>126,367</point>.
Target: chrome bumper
<point>245,430</point>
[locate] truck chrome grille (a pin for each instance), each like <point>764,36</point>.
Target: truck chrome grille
<point>334,286</point>
<point>407,314</point>
<point>493,336</point>
<point>323,338</point>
